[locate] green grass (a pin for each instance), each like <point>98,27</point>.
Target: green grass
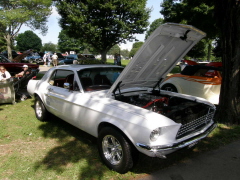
<point>31,149</point>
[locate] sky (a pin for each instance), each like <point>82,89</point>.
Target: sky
<point>54,29</point>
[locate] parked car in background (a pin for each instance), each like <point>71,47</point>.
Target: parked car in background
<point>14,54</point>
<point>13,67</point>
<point>86,57</point>
<point>197,80</point>
<point>31,58</point>
<point>67,60</point>
<point>124,108</point>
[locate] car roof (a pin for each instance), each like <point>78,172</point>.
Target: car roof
<point>80,67</point>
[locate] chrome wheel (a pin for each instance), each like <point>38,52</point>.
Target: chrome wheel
<point>112,149</point>
<point>38,109</point>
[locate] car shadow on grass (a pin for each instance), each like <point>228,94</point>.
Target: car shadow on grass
<point>74,146</point>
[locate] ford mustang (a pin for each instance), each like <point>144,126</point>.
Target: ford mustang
<point>124,108</point>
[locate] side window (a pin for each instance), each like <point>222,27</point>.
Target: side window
<point>59,77</point>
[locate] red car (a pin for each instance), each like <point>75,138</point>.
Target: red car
<point>14,67</point>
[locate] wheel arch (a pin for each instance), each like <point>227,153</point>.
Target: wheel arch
<point>173,83</point>
<point>108,124</point>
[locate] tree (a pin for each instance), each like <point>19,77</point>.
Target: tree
<point>65,43</point>
<point>154,25</point>
<point>102,24</point>
<point>2,43</point>
<point>15,13</point>
<point>227,14</point>
<point>198,13</point>
<point>136,46</point>
<point>115,49</point>
<point>49,47</point>
<point>28,40</point>
<point>125,53</point>
<point>198,51</point>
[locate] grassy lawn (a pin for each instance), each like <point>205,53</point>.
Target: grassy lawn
<point>30,149</point>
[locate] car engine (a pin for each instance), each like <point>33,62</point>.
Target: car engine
<point>178,109</point>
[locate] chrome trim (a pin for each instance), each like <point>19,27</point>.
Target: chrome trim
<point>161,151</point>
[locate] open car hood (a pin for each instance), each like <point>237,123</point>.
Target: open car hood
<point>167,45</point>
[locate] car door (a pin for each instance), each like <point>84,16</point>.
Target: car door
<point>57,94</point>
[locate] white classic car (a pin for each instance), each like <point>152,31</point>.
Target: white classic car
<point>124,108</point>
<point>197,80</point>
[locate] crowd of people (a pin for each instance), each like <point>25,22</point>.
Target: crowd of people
<point>47,59</point>
<point>5,75</point>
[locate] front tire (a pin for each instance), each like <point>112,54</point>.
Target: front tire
<point>115,150</point>
<point>40,111</point>
<point>169,87</point>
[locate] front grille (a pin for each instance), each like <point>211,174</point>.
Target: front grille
<point>195,124</point>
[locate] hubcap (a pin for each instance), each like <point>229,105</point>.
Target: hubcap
<point>38,109</point>
<point>169,89</point>
<point>112,149</point>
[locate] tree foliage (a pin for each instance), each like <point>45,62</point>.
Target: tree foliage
<point>136,46</point>
<point>125,53</point>
<point>49,47</point>
<point>3,44</point>
<point>28,40</point>
<point>65,43</point>
<point>115,49</point>
<point>154,25</point>
<point>15,13</point>
<point>198,13</point>
<point>102,23</point>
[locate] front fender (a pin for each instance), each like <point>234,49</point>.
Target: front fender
<point>31,87</point>
<point>173,82</point>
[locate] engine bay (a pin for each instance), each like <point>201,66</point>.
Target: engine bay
<point>178,109</point>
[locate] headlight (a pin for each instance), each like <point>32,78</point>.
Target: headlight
<point>155,134</point>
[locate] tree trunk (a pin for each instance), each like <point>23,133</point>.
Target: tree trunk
<point>228,14</point>
<point>209,50</point>
<point>9,43</point>
<point>104,56</point>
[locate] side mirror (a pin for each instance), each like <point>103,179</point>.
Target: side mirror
<point>66,85</point>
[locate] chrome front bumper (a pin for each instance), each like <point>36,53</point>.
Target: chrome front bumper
<point>162,151</point>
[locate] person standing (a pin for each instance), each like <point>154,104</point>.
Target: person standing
<point>55,59</point>
<point>119,60</point>
<point>115,58</point>
<point>45,59</point>
<point>49,59</point>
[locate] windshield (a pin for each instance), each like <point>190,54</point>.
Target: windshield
<point>95,79</point>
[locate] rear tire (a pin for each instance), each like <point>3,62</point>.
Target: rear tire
<point>40,111</point>
<point>169,87</point>
<point>115,150</point>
